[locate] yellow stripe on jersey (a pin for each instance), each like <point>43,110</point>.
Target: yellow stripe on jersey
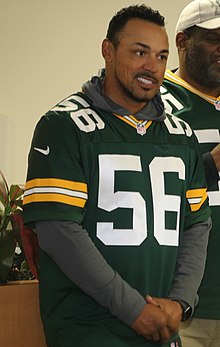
<point>55,190</point>
<point>196,198</point>
<point>132,121</point>
<point>68,200</point>
<point>56,182</point>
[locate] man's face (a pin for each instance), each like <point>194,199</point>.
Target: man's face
<point>138,63</point>
<point>203,57</point>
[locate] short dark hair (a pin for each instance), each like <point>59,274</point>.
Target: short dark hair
<point>121,18</point>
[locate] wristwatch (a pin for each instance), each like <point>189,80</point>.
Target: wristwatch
<point>187,310</point>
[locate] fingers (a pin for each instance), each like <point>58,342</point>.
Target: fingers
<point>165,335</point>
<point>162,336</point>
<point>173,317</point>
<point>154,337</point>
<point>153,323</point>
<point>154,301</point>
<point>172,308</point>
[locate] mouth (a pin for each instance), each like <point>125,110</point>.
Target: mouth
<point>217,60</point>
<point>147,81</point>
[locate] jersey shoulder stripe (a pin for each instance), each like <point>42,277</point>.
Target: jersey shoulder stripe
<point>196,198</point>
<point>55,190</point>
<point>71,103</point>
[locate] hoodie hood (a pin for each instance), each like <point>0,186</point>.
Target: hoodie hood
<point>154,110</point>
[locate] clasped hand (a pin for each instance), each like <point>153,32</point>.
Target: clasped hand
<point>159,319</point>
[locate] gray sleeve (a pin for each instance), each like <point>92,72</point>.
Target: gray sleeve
<point>77,256</point>
<point>191,263</point>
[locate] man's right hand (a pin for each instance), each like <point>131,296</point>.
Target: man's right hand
<point>154,324</point>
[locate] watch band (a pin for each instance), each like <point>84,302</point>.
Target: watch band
<point>187,310</point>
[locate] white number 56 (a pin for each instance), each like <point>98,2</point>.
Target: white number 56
<point>110,200</point>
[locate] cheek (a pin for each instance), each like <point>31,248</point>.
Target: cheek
<point>124,70</point>
<point>203,53</point>
<point>161,72</point>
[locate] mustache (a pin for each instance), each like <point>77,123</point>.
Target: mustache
<point>215,57</point>
<point>147,74</point>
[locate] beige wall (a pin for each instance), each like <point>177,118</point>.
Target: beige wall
<point>48,49</point>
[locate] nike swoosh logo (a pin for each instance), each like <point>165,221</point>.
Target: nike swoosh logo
<point>43,151</point>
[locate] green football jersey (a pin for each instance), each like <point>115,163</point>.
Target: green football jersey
<point>202,112</point>
<point>135,186</point>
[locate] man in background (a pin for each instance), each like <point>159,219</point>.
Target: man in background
<point>192,92</point>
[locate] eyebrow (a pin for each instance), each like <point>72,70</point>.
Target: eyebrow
<point>143,45</point>
<point>211,32</point>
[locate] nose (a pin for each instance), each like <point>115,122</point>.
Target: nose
<point>151,63</point>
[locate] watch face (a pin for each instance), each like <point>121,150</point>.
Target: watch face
<point>187,313</point>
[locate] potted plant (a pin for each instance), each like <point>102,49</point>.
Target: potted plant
<point>13,265</point>
<point>19,300</point>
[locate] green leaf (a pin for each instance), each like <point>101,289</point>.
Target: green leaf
<point>3,196</point>
<point>5,220</point>
<point>15,192</point>
<point>3,184</point>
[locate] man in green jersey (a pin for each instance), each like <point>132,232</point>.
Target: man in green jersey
<point>192,92</point>
<point>116,192</point>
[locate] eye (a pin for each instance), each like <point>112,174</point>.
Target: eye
<point>140,53</point>
<point>163,57</point>
<point>214,41</point>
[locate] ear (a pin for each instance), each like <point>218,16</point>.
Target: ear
<point>181,39</point>
<point>107,50</point>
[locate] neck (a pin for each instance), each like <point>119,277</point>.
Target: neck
<point>121,99</point>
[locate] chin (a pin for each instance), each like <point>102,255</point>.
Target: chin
<point>149,96</point>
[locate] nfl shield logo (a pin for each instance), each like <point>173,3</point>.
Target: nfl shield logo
<point>217,105</point>
<point>141,130</point>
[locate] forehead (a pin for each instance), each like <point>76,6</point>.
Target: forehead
<point>207,32</point>
<point>148,33</point>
